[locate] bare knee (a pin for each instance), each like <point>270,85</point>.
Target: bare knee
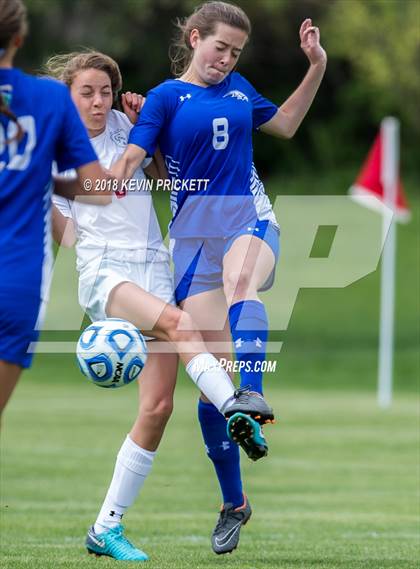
<point>157,411</point>
<point>237,284</point>
<point>179,326</point>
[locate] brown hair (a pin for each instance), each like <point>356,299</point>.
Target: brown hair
<point>204,19</point>
<point>4,109</point>
<point>66,66</point>
<point>12,21</point>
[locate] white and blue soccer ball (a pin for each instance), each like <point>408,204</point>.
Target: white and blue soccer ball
<point>111,353</point>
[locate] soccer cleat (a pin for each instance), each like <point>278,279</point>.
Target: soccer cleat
<point>112,543</point>
<point>251,403</point>
<point>247,433</point>
<point>225,537</point>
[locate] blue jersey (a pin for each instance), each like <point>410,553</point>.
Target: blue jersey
<point>52,131</point>
<point>205,133</point>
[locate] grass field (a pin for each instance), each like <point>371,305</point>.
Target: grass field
<point>338,490</point>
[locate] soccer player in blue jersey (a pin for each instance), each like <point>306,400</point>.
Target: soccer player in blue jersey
<point>226,237</point>
<point>38,124</point>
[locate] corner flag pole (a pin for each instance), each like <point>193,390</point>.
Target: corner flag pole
<point>389,177</point>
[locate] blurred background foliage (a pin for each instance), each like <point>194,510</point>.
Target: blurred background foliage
<point>373,70</point>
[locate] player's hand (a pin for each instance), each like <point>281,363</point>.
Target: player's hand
<point>132,104</point>
<point>309,42</point>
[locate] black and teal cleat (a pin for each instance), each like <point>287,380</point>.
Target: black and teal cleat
<point>247,433</point>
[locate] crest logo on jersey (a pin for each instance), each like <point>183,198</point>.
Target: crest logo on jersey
<point>237,95</point>
<point>183,98</point>
<point>119,137</point>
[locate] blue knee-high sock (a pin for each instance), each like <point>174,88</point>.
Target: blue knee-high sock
<point>249,329</point>
<point>223,453</point>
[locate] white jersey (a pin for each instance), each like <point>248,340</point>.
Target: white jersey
<point>127,228</point>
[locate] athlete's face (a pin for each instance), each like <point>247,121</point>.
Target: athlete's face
<point>215,56</point>
<point>92,94</point>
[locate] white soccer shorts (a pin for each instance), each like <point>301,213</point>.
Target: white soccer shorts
<point>98,279</point>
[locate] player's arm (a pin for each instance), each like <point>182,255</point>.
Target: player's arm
<point>143,137</point>
<point>125,167</point>
<point>132,104</point>
<point>289,116</point>
<point>90,177</point>
<point>63,230</point>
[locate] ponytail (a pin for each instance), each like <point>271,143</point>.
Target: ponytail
<point>4,109</point>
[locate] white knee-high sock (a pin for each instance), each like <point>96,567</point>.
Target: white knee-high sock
<point>210,377</point>
<point>131,469</point>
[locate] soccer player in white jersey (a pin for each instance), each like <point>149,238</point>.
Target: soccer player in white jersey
<point>226,238</point>
<point>124,272</point>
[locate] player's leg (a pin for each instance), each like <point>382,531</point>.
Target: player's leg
<point>247,266</point>
<point>9,376</point>
<point>198,271</point>
<point>18,317</point>
<point>155,399</point>
<point>135,457</point>
<point>166,322</point>
<point>199,268</point>
<point>209,311</point>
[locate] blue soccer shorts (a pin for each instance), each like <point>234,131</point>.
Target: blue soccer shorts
<point>18,316</point>
<point>199,262</point>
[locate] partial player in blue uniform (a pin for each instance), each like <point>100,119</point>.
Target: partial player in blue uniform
<point>38,124</point>
<point>226,238</point>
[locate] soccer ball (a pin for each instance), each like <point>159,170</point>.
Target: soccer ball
<point>111,352</point>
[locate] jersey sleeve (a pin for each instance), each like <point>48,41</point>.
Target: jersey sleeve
<point>150,123</point>
<point>63,205</point>
<point>262,109</point>
<point>73,148</point>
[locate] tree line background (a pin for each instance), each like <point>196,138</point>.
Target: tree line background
<point>373,48</point>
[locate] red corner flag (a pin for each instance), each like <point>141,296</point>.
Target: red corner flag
<point>370,183</point>
<point>379,184</point>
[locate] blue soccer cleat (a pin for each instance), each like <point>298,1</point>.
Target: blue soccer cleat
<point>247,433</point>
<point>112,543</point>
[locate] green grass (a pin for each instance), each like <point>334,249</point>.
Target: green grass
<point>338,490</point>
